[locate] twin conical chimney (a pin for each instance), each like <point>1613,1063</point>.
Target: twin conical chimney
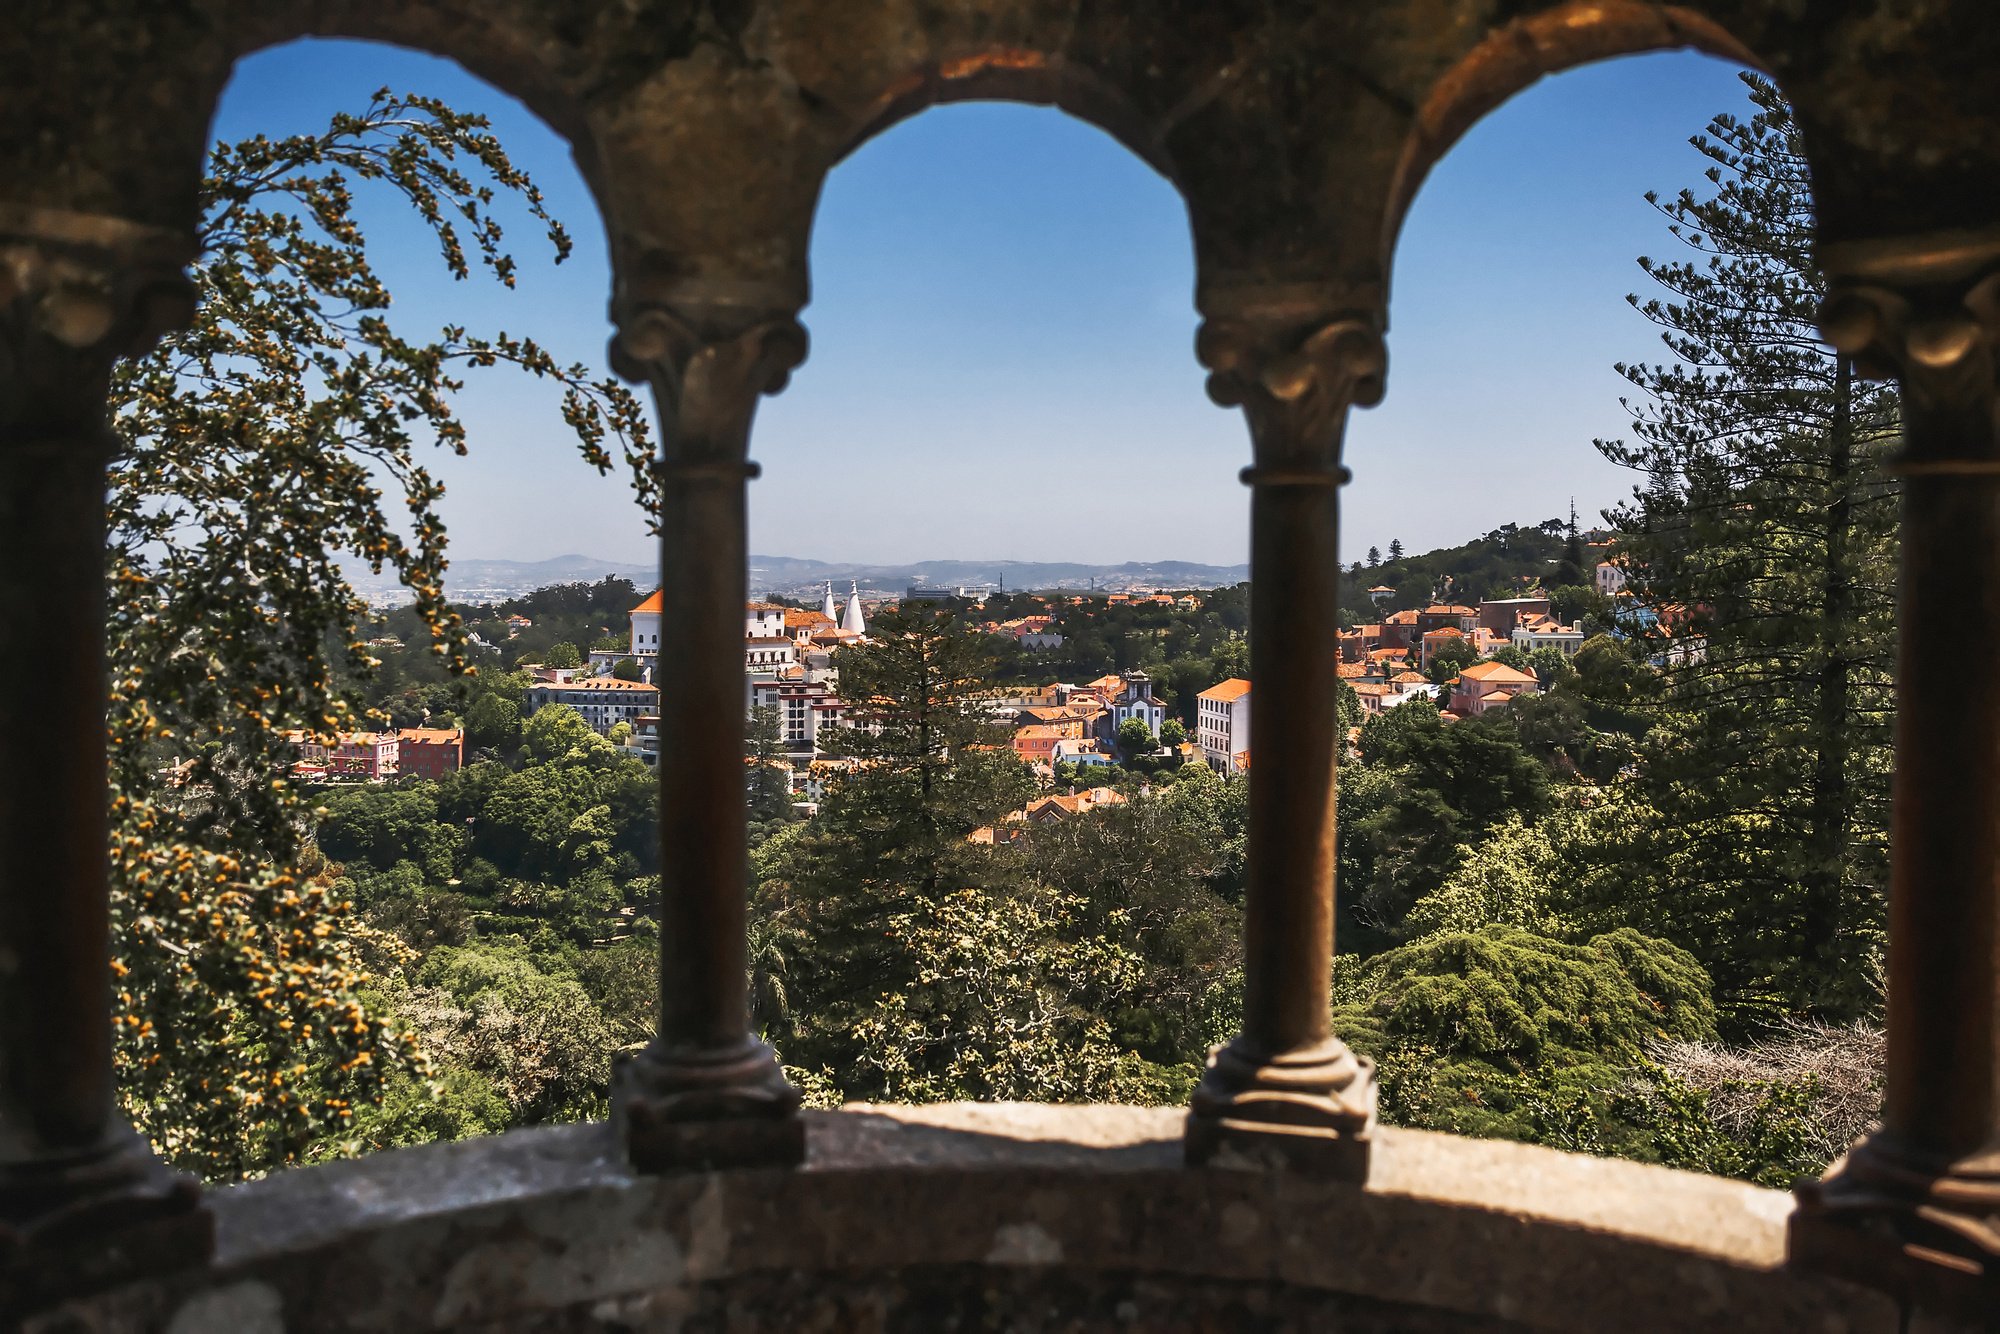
<point>851,620</point>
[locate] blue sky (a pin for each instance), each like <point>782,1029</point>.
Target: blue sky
<point>1003,327</point>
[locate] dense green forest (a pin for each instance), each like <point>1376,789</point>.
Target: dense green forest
<point>1488,960</point>
<point>1506,562</point>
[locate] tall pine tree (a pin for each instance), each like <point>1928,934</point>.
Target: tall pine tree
<point>925,765</point>
<point>1763,538</point>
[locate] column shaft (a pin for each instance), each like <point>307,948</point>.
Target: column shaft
<point>706,1093</point>
<point>1285,1092</point>
<point>704,865</point>
<point>84,1201</point>
<point>1915,1207</point>
<point>1944,897</point>
<point>56,1095</point>
<point>1294,748</point>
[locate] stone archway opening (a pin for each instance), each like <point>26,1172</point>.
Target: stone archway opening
<point>1727,615</point>
<point>372,400</point>
<point>1001,400</point>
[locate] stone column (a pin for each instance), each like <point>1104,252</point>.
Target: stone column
<point>1286,1092</point>
<point>1916,1205</point>
<point>83,1199</point>
<point>706,1093</point>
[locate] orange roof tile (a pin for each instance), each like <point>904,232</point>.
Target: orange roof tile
<point>1498,672</point>
<point>598,683</point>
<point>430,736</point>
<point>1222,693</point>
<point>652,603</point>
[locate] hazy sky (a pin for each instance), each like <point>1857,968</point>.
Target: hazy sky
<point>1003,295</point>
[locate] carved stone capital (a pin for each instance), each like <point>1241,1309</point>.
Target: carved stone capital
<point>1925,310</point>
<point>1295,380</point>
<point>709,365</point>
<point>76,293</point>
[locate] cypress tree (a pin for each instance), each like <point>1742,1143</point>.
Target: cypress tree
<point>1763,539</point>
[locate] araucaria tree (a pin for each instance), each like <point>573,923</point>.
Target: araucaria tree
<point>923,767</point>
<point>1763,538</point>
<point>258,445</point>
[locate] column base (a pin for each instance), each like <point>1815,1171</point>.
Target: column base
<point>1311,1111</point>
<point>681,1110</point>
<point>1925,1229</point>
<point>94,1220</point>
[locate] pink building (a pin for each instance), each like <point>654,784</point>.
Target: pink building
<point>372,757</point>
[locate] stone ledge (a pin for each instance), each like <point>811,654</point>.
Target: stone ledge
<point>907,1217</point>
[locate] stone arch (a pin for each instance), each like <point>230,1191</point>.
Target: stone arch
<point>1511,57</point>
<point>1013,73</point>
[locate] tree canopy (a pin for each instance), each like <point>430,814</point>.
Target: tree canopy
<point>257,448</point>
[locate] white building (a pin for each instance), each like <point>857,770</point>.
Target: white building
<point>1222,724</point>
<point>1135,700</point>
<point>1610,577</point>
<point>1545,633</point>
<point>604,701</point>
<point>763,619</point>
<point>646,629</point>
<point>1082,753</point>
<point>644,642</point>
<point>804,709</point>
<point>645,743</point>
<point>769,655</point>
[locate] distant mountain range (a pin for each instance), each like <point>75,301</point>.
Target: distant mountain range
<point>496,580</point>
<point>779,574</point>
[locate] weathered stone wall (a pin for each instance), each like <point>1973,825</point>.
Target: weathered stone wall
<point>1296,131</point>
<point>988,1217</point>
